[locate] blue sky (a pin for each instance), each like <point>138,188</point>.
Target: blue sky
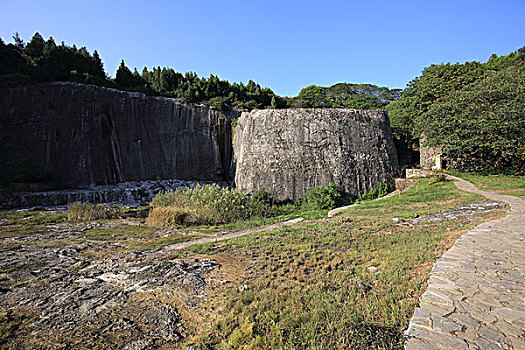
<point>284,45</point>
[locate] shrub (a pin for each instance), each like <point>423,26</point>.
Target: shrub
<point>378,192</point>
<point>436,177</point>
<point>207,205</point>
<point>166,217</point>
<point>323,197</point>
<point>78,211</point>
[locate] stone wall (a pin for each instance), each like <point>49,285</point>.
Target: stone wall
<point>430,157</point>
<point>76,135</point>
<point>287,152</point>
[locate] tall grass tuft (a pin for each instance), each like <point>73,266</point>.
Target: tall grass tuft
<point>79,211</point>
<point>207,205</point>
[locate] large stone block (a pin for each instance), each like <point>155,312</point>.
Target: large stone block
<point>287,152</point>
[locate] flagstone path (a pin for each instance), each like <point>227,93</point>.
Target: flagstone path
<point>476,292</point>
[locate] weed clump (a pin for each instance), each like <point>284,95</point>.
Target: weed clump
<point>79,211</point>
<point>207,205</point>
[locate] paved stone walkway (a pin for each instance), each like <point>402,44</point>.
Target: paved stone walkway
<point>476,292</point>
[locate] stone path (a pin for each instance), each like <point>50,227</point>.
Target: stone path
<point>183,245</point>
<point>476,292</point>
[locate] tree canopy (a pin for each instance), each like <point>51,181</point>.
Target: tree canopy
<point>474,110</point>
<point>344,95</point>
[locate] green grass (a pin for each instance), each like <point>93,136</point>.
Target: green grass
<point>311,288</point>
<point>138,237</point>
<point>420,199</point>
<point>22,223</point>
<point>513,185</point>
<point>40,219</point>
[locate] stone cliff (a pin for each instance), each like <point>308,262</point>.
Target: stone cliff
<point>288,152</point>
<point>76,135</point>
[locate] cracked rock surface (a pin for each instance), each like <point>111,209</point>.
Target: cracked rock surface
<point>476,292</point>
<point>70,297</point>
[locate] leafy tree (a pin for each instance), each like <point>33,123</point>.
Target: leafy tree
<point>343,95</point>
<point>463,108</point>
<point>483,124</point>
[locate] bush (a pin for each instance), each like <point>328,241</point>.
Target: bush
<point>436,177</point>
<point>378,192</point>
<point>207,205</point>
<point>324,197</point>
<point>78,211</point>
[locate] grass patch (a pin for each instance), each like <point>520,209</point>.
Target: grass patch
<point>18,214</point>
<point>513,185</point>
<point>78,211</point>
<point>422,199</point>
<point>138,237</point>
<point>214,209</point>
<point>27,223</point>
<point>309,285</point>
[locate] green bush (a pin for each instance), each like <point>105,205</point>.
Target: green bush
<point>207,205</point>
<point>378,192</point>
<point>436,177</point>
<point>324,197</point>
<point>78,211</point>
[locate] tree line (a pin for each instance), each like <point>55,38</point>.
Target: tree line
<point>44,60</point>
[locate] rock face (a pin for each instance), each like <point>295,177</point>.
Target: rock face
<point>77,135</point>
<point>287,152</point>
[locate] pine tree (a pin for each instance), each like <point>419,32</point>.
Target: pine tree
<point>35,48</point>
<point>18,41</point>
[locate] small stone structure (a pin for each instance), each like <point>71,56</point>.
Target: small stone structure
<point>430,157</point>
<point>287,152</point>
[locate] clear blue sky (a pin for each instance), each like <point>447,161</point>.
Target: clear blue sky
<point>284,45</point>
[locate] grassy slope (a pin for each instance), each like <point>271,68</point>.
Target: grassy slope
<point>513,185</point>
<point>309,286</point>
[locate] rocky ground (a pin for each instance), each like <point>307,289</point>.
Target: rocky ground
<point>60,288</point>
<point>454,213</point>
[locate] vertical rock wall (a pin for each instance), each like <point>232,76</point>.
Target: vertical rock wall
<point>77,135</point>
<point>287,152</point>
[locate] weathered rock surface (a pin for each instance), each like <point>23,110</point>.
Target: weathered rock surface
<point>72,295</point>
<point>124,193</point>
<point>454,213</point>
<point>77,135</point>
<point>287,152</point>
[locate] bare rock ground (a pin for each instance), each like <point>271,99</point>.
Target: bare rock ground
<point>71,297</point>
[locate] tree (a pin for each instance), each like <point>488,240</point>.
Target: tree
<point>123,77</point>
<point>35,48</point>
<point>49,46</point>
<point>484,123</point>
<point>18,41</point>
<point>98,62</point>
